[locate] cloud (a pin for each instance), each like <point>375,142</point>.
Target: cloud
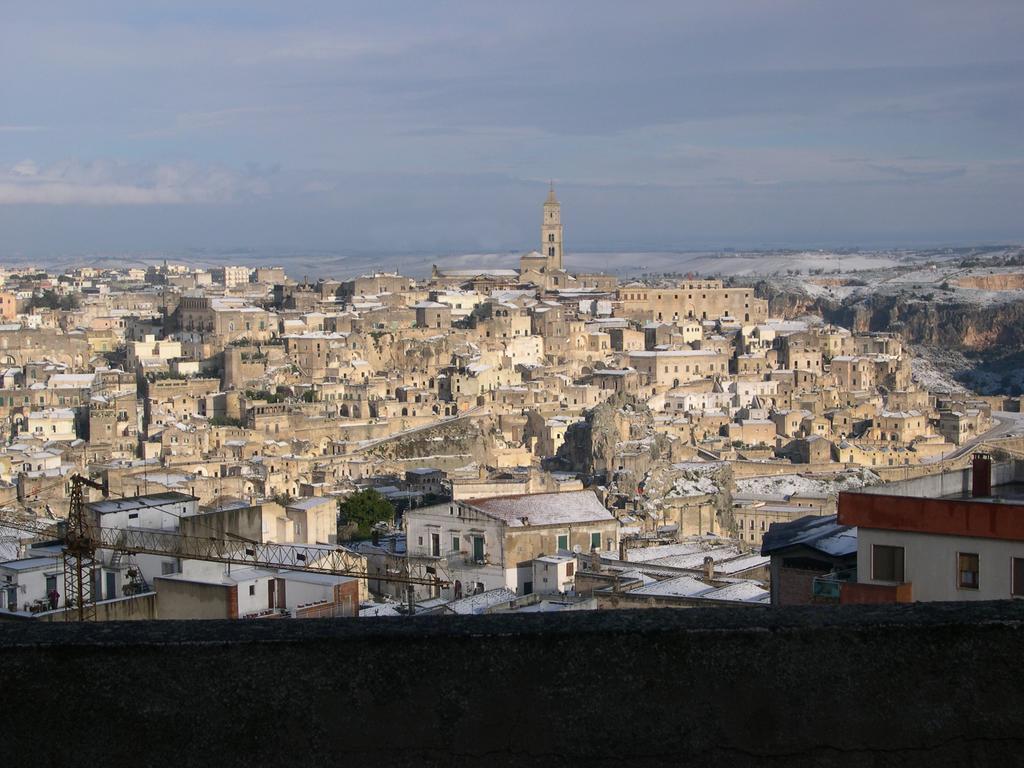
<point>918,173</point>
<point>112,183</point>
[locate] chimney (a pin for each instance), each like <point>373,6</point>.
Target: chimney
<point>709,568</point>
<point>981,475</point>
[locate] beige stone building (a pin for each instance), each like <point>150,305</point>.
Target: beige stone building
<point>701,300</point>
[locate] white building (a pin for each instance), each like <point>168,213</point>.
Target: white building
<point>927,540</point>
<point>489,543</point>
<point>52,424</point>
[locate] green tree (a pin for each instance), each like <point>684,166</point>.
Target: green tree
<point>365,509</point>
<point>52,300</point>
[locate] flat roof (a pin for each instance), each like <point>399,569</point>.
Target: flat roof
<point>106,506</point>
<point>543,508</point>
<point>1000,493</point>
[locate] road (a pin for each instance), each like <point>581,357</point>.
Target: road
<point>479,410</point>
<point>1008,425</point>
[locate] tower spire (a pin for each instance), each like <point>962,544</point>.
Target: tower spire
<point>551,231</point>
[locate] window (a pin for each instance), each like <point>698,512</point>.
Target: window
<point>570,569</point>
<point>595,541</point>
<point>886,563</point>
<point>252,589</point>
<point>1017,576</point>
<point>455,542</point>
<point>563,541</point>
<point>967,570</point>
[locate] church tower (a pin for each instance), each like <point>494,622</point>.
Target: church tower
<point>551,231</point>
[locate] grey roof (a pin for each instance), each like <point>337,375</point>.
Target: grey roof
<point>30,563</point>
<point>823,534</point>
<point>543,508</point>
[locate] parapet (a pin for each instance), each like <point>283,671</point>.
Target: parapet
<point>925,684</point>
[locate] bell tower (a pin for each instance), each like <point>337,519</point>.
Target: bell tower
<point>551,231</point>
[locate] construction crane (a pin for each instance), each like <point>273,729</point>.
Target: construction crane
<point>81,539</point>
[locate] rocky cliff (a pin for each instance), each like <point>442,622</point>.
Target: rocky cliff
<point>936,319</point>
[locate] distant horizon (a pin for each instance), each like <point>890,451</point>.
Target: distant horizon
<point>737,262</point>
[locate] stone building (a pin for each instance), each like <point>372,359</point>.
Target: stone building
<point>703,300</point>
<point>491,543</point>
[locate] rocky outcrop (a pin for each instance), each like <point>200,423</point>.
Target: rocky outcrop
<point>1000,281</point>
<point>931,320</point>
<point>463,437</point>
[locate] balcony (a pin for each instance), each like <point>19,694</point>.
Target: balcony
<point>875,594</point>
<point>827,588</point>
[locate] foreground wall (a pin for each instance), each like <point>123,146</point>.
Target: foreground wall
<point>853,686</point>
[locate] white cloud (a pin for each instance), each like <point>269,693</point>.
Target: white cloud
<point>110,183</point>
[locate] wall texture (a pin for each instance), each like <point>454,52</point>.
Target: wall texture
<point>850,686</point>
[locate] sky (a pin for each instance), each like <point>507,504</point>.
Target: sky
<point>436,127</point>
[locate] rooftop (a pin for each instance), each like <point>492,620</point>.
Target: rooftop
<point>823,534</point>
<point>543,508</point>
<point>106,506</point>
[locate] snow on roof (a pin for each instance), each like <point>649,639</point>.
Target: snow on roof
<point>645,554</point>
<point>139,502</point>
<point>543,508</point>
<point>70,381</point>
<point>475,604</point>
<point>821,533</point>
<point>311,503</point>
<point>900,414</point>
<point>695,560</point>
<point>378,609</point>
<point>743,591</point>
<point>554,559</point>
<point>740,564</point>
<point>785,486</point>
<point>681,586</point>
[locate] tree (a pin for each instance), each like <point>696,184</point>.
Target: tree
<point>365,509</point>
<point>52,300</point>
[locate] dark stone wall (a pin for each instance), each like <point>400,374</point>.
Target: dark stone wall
<point>850,686</point>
